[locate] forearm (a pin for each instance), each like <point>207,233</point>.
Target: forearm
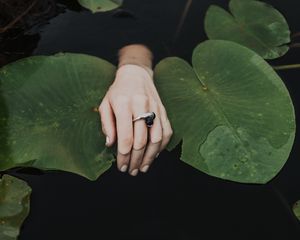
<point>136,54</point>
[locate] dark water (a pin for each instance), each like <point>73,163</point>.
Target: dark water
<point>173,200</point>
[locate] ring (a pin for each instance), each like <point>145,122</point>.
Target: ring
<point>148,116</point>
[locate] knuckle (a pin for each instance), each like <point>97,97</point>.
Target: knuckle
<point>157,139</point>
<point>140,143</point>
<point>120,99</point>
<point>124,146</point>
<point>168,134</point>
<point>163,110</point>
<point>124,151</point>
<point>126,142</point>
<point>141,98</point>
<point>154,102</point>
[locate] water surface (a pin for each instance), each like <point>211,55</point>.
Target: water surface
<point>173,200</point>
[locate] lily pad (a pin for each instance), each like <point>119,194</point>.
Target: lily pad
<point>101,5</point>
<point>14,206</point>
<point>48,118</point>
<point>254,24</point>
<point>296,209</point>
<point>231,109</point>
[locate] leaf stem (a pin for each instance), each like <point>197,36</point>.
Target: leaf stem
<point>286,67</point>
<point>285,203</point>
<point>295,35</point>
<point>17,19</point>
<point>295,45</point>
<point>182,19</point>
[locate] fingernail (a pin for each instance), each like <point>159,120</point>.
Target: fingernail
<point>157,155</point>
<point>134,172</point>
<point>107,140</point>
<point>124,168</point>
<point>145,168</point>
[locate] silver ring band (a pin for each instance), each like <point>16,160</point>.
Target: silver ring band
<point>148,117</point>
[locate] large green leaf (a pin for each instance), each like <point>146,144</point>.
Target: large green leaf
<point>14,206</point>
<point>100,5</point>
<point>254,24</point>
<point>296,209</point>
<point>47,111</point>
<point>231,109</point>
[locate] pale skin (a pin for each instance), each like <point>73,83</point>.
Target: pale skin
<point>132,93</point>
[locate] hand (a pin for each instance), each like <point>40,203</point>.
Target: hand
<point>132,93</point>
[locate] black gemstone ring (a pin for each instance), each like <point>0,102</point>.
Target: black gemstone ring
<point>148,117</point>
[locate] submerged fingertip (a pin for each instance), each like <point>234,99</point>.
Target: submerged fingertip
<point>144,169</point>
<point>124,168</point>
<point>134,172</point>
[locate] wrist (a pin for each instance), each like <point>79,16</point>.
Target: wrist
<point>135,69</point>
<point>137,54</point>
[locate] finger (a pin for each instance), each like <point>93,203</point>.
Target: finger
<point>140,133</point>
<point>166,128</point>
<point>155,137</point>
<point>107,122</point>
<point>123,115</point>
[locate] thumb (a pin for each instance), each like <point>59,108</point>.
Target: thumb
<point>108,122</point>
